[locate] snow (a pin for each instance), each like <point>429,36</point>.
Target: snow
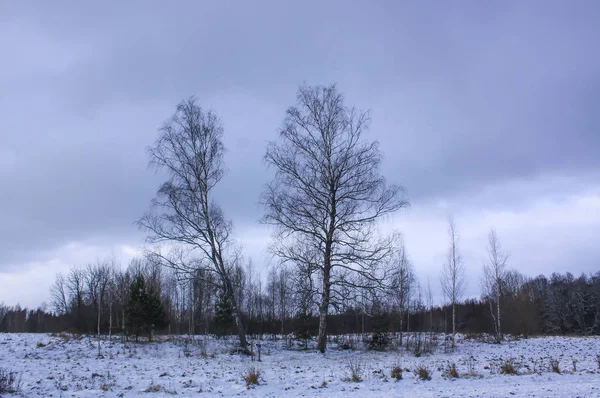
<point>65,365</point>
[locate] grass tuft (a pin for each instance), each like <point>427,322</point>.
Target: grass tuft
<point>508,367</point>
<point>423,373</point>
<point>354,371</point>
<point>252,376</point>
<point>396,372</point>
<point>451,370</point>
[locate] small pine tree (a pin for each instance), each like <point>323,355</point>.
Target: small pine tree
<point>301,328</point>
<point>155,313</point>
<point>223,315</point>
<point>144,309</point>
<point>135,306</point>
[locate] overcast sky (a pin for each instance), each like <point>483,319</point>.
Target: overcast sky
<point>487,112</point>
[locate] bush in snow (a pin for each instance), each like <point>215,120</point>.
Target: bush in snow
<point>451,371</point>
<point>423,373</point>
<point>354,371</point>
<point>471,362</point>
<point>10,382</point>
<point>252,376</point>
<point>379,342</point>
<point>508,367</point>
<point>396,372</point>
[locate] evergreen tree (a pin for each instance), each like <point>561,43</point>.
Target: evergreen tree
<point>223,315</point>
<point>301,327</point>
<point>144,309</point>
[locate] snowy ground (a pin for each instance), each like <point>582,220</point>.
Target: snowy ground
<point>65,366</point>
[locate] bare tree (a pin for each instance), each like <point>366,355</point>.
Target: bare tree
<point>494,272</point>
<point>284,293</point>
<point>429,300</point>
<point>403,283</point>
<point>184,214</point>
<point>453,274</point>
<point>122,282</point>
<point>58,295</point>
<point>97,281</point>
<point>76,289</point>
<point>279,292</point>
<point>328,194</point>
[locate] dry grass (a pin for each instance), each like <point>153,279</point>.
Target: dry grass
<point>158,388</point>
<point>396,372</point>
<point>252,376</point>
<point>354,370</point>
<point>471,363</point>
<point>423,373</point>
<point>451,370</point>
<point>153,388</point>
<point>508,367</point>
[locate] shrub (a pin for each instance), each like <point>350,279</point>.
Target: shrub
<point>252,376</point>
<point>598,360</point>
<point>153,388</point>
<point>423,373</point>
<point>347,343</point>
<point>105,387</point>
<point>471,362</point>
<point>301,329</point>
<point>379,342</point>
<point>508,367</point>
<point>354,371</point>
<point>554,365</point>
<point>396,372</point>
<point>451,370</point>
<point>10,382</point>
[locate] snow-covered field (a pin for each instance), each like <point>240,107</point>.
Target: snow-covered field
<point>66,366</point>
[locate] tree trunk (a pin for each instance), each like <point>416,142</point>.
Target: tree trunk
<point>407,327</point>
<point>401,324</point>
<point>99,307</point>
<point>323,310</point>
<point>235,312</point>
<point>499,337</point>
<point>431,319</point>
<point>324,307</point>
<point>110,320</point>
<point>240,327</point>
<point>453,322</point>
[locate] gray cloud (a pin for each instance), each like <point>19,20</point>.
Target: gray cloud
<point>461,99</point>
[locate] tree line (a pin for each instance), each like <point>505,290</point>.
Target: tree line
<point>559,304</point>
<point>337,270</point>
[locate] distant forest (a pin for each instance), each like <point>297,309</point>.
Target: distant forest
<point>560,304</point>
